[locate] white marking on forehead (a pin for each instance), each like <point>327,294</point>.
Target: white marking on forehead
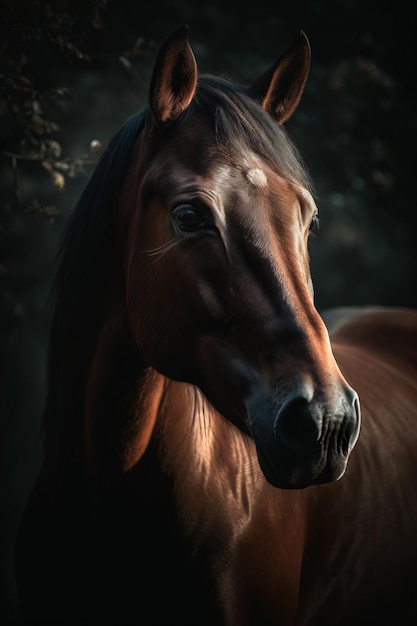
<point>256,177</point>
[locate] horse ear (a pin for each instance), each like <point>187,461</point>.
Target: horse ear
<point>174,77</point>
<point>280,88</point>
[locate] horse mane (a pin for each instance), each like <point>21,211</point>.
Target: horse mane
<point>85,265</point>
<point>91,222</point>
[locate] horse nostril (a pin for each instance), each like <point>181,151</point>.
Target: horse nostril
<point>298,423</point>
<point>356,420</point>
<point>345,438</point>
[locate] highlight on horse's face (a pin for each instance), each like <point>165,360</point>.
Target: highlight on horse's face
<point>223,228</point>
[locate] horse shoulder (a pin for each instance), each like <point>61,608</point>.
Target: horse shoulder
<point>375,349</point>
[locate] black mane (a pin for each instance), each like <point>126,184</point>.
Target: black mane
<point>86,262</point>
<point>93,217</point>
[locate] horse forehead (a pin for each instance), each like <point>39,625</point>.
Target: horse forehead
<point>242,184</point>
<point>255,184</point>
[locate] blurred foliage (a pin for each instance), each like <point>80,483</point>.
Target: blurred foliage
<point>37,38</point>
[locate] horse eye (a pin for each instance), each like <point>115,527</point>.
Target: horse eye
<point>189,218</point>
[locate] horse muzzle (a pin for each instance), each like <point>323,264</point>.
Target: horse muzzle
<point>307,437</point>
<point>304,425</point>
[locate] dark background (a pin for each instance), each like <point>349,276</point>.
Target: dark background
<point>355,127</point>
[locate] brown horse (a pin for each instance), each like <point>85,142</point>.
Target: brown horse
<point>203,461</point>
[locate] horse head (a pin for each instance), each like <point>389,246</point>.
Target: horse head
<point>216,215</point>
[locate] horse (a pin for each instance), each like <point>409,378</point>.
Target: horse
<point>217,452</point>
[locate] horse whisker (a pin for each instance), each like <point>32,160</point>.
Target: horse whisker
<point>161,250</point>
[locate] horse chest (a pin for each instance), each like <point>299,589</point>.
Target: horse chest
<point>253,554</point>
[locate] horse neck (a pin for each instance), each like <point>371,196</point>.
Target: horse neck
<point>131,410</point>
<point>128,403</point>
<point>113,410</point>
<point>211,464</point>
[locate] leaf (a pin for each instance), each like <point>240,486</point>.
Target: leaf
<point>58,179</point>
